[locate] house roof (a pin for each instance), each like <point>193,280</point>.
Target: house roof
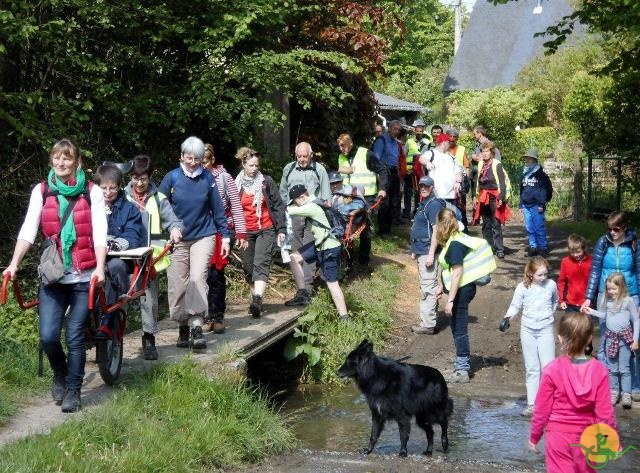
<point>499,41</point>
<point>386,102</point>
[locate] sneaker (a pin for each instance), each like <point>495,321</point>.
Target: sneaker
<point>635,396</point>
<point>626,400</point>
<point>255,308</point>
<point>345,318</point>
<point>301,298</point>
<point>459,377</point>
<point>149,351</point>
<point>217,326</point>
<point>58,389</point>
<point>615,397</point>
<point>198,341</point>
<point>527,411</point>
<point>531,252</point>
<point>71,401</point>
<point>423,330</point>
<point>183,336</point>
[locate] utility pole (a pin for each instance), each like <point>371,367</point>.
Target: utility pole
<point>457,7</point>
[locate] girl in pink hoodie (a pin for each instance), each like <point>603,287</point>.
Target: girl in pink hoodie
<point>573,394</point>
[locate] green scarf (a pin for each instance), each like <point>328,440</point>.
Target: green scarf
<point>68,232</point>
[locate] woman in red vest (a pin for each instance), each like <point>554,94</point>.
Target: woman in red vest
<point>66,198</point>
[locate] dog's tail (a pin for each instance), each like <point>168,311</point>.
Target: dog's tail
<point>449,407</point>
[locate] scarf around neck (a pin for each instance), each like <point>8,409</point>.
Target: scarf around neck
<point>252,186</point>
<point>527,171</point>
<point>72,188</point>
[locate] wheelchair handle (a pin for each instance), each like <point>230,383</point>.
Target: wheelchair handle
<point>92,293</point>
<point>17,292</point>
<point>168,248</point>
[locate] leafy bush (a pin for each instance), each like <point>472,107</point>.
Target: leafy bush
<point>325,340</point>
<point>173,419</point>
<point>18,325</point>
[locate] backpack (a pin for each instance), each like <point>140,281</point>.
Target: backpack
<point>337,223</point>
<point>446,205</point>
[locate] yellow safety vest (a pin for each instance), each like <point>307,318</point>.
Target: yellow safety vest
<point>494,170</point>
<point>361,175</point>
<point>460,150</point>
<point>158,237</point>
<point>479,261</point>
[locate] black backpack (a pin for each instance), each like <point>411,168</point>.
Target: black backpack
<point>337,222</point>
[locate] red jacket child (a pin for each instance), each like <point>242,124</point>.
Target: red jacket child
<point>572,283</point>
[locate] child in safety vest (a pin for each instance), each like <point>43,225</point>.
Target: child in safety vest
<point>158,219</point>
<point>536,297</point>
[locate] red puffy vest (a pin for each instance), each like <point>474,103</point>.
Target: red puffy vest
<point>83,255</point>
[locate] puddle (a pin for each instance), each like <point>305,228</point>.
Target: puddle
<point>482,430</point>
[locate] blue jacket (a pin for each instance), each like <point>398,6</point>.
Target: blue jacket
<point>387,150</point>
<point>608,259</point>
<point>536,189</point>
<point>196,201</point>
<point>125,221</point>
<point>423,223</point>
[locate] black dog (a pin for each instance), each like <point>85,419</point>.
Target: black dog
<point>399,391</point>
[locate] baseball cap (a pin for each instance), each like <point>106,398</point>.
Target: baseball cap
<point>426,181</point>
<point>334,176</point>
<point>296,191</point>
<point>442,137</point>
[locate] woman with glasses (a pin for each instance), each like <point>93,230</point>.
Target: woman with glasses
<point>160,223</point>
<point>617,251</point>
<point>194,196</point>
<point>264,214</point>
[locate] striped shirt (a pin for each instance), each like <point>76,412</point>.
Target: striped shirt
<point>231,200</point>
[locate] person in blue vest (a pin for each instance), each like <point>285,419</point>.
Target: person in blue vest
<point>386,149</point>
<point>195,199</point>
<point>535,193</point>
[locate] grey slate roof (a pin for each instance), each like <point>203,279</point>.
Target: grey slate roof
<point>386,102</point>
<point>498,42</point>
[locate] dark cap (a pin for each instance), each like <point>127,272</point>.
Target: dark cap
<point>334,176</point>
<point>296,191</point>
<point>426,181</point>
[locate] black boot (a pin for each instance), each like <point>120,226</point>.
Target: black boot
<point>71,401</point>
<point>149,351</point>
<point>255,308</point>
<point>302,297</point>
<point>58,388</point>
<point>198,342</point>
<point>183,336</point>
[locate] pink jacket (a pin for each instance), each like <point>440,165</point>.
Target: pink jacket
<point>571,397</point>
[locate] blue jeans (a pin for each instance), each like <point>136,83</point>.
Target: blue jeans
<point>459,326</point>
<point>534,223</point>
<point>54,301</point>
<point>619,371</point>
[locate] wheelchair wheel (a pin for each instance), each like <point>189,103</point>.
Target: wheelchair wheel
<point>109,352</point>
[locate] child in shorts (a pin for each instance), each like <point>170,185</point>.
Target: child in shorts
<point>325,249</point>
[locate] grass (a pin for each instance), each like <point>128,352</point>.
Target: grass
<point>370,300</point>
<point>172,419</point>
<point>589,229</point>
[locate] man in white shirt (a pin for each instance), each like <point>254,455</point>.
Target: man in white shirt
<point>443,169</point>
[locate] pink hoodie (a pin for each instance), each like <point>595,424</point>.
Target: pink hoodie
<point>571,397</point>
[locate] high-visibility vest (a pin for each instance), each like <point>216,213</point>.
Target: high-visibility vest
<point>361,175</point>
<point>494,170</point>
<point>158,237</point>
<point>460,151</point>
<point>478,263</point>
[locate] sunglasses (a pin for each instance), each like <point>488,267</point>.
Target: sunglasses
<point>615,229</point>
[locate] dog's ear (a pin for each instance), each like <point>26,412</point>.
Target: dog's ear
<point>367,345</point>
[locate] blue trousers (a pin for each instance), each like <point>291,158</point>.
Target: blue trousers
<point>459,326</point>
<point>619,369</point>
<point>534,224</point>
<point>54,301</point>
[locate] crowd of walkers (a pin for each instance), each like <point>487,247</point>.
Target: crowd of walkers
<point>427,179</point>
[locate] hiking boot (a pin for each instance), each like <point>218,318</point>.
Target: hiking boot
<point>419,329</point>
<point>626,400</point>
<point>58,389</point>
<point>543,252</point>
<point>217,326</point>
<point>615,397</point>
<point>183,336</point>
<point>71,401</point>
<point>255,308</point>
<point>500,254</point>
<point>301,298</point>
<point>198,341</point>
<point>149,351</point>
<point>207,325</point>
<point>459,377</point>
<point>531,252</point>
<point>527,411</point>
<point>345,318</point>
